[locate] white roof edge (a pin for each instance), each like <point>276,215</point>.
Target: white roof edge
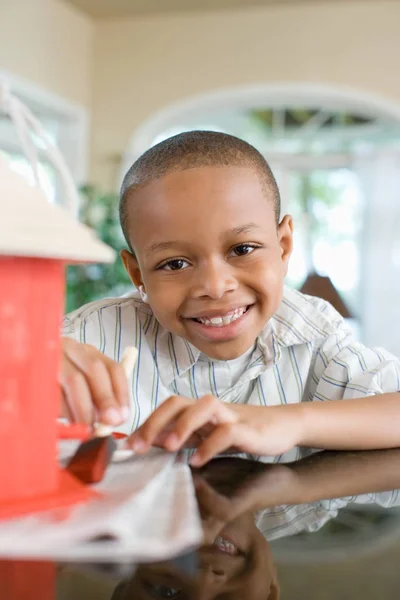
<point>30,226</point>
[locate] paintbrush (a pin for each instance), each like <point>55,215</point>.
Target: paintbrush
<point>93,456</point>
<point>128,362</point>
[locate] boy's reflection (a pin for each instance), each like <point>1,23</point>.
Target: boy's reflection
<point>235,562</point>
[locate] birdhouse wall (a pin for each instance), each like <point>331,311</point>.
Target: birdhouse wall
<point>31,306</point>
<point>27,580</point>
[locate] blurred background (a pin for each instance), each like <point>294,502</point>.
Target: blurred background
<point>313,84</point>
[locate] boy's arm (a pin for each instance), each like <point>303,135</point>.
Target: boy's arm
<point>355,393</point>
<point>333,415</point>
<point>327,475</point>
<point>366,423</point>
<point>369,423</point>
<point>323,476</point>
<point>357,424</point>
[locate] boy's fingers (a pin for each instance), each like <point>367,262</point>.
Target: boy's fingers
<point>159,421</point>
<point>193,441</point>
<point>105,378</point>
<point>119,383</point>
<point>99,380</point>
<point>222,438</point>
<point>219,506</point>
<point>207,410</point>
<point>66,412</point>
<point>77,394</point>
<point>210,501</point>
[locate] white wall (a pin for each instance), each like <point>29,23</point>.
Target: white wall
<point>49,44</point>
<point>46,49</point>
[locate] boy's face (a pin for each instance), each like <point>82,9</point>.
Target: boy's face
<point>209,256</point>
<point>245,571</point>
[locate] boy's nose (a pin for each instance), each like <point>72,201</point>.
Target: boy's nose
<point>215,280</point>
<point>211,581</point>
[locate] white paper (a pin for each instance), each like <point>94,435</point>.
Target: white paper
<point>149,509</point>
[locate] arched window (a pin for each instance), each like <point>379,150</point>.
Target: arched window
<point>323,146</point>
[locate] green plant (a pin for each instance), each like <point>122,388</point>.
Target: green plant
<point>86,283</point>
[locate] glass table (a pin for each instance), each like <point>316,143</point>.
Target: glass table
<point>322,528</point>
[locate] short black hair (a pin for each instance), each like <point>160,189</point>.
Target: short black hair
<point>193,149</point>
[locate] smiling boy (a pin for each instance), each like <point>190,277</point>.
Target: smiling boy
<point>228,356</point>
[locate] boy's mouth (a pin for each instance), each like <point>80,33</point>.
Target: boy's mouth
<point>226,546</point>
<point>222,320</point>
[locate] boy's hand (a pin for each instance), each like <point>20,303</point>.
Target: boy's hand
<point>94,387</point>
<point>269,487</point>
<point>214,427</point>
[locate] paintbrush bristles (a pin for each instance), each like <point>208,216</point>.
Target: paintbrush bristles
<point>102,430</point>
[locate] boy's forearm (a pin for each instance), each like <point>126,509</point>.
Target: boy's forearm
<point>322,476</point>
<point>366,423</point>
<point>333,475</point>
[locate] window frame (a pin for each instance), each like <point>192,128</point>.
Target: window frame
<point>72,122</point>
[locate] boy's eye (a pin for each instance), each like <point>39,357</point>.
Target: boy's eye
<point>176,264</point>
<point>163,591</point>
<point>243,249</point>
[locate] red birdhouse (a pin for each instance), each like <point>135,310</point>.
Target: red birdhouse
<point>36,240</point>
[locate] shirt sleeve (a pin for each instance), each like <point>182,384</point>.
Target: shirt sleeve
<point>387,499</point>
<point>70,323</point>
<point>67,327</point>
<point>83,324</point>
<point>345,369</point>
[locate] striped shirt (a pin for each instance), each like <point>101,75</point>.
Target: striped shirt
<point>286,520</point>
<point>305,353</point>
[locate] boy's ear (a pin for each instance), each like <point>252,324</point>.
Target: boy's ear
<point>285,237</point>
<point>132,267</point>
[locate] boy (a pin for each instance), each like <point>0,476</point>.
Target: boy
<point>228,357</point>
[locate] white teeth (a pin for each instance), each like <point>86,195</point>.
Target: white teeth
<point>224,319</point>
<point>225,546</point>
<point>216,320</point>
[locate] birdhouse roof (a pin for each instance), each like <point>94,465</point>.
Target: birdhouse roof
<point>31,226</point>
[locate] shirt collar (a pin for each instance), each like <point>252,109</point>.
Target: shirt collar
<point>300,319</point>
<point>297,321</point>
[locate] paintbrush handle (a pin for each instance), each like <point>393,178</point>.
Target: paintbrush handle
<point>128,362</point>
<point>73,431</point>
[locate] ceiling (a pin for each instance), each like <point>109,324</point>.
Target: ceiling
<point>121,8</point>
